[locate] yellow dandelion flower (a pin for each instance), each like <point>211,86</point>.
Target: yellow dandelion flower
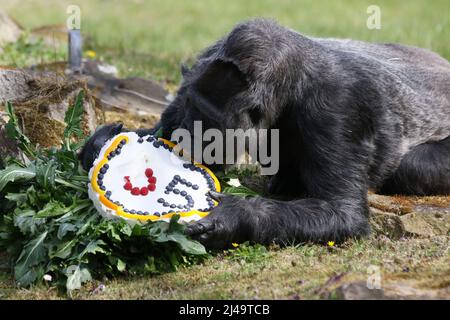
<point>330,243</point>
<point>91,54</point>
<point>235,244</point>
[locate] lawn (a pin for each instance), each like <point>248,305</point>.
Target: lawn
<point>151,39</point>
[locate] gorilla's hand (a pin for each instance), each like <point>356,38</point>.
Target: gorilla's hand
<point>96,142</point>
<point>233,220</point>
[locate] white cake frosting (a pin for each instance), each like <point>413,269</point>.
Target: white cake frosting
<point>181,186</point>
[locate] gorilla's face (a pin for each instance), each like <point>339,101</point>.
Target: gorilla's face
<point>215,94</point>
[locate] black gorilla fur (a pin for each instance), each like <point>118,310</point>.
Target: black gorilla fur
<point>352,116</point>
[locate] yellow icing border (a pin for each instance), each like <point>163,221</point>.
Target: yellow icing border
<point>119,210</point>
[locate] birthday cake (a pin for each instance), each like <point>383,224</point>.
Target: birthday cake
<point>144,178</point>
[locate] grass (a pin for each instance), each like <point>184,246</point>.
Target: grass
<point>301,272</point>
<point>151,39</point>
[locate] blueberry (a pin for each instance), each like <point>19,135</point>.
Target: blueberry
<point>109,157</point>
<point>139,212</point>
<point>186,165</point>
<point>176,191</point>
<point>167,191</point>
<point>118,151</point>
<point>156,144</point>
<point>108,193</point>
<point>106,166</point>
<point>166,204</point>
<point>150,139</point>
<point>183,181</point>
<point>123,141</point>
<point>140,140</point>
<point>173,206</point>
<point>103,170</point>
<point>133,211</point>
<point>157,214</point>
<point>183,193</point>
<point>161,200</point>
<point>189,184</point>
<point>180,206</point>
<point>100,182</point>
<point>176,177</point>
<point>195,187</point>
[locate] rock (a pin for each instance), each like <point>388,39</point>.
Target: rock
<point>10,30</point>
<point>41,101</point>
<point>386,223</point>
<point>14,85</point>
<point>426,224</point>
<point>388,204</point>
<point>136,102</point>
<point>396,217</point>
<point>391,291</point>
<point>357,291</point>
<point>135,95</point>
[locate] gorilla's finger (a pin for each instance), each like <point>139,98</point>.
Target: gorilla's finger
<point>199,228</point>
<point>216,195</point>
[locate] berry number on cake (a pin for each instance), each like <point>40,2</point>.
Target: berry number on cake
<point>141,179</point>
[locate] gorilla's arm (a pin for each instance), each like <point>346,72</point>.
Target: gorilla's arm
<point>334,175</point>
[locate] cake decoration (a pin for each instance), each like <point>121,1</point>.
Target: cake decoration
<point>142,178</point>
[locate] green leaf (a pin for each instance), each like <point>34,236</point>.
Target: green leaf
<point>45,174</point>
<point>93,247</point>
<point>186,244</point>
<point>14,132</point>
<point>121,266</point>
<point>64,250</point>
<point>73,118</point>
<point>76,276</point>
<point>65,228</point>
<point>158,133</point>
<point>18,198</point>
<point>27,222</point>
<point>240,191</point>
<point>52,209</point>
<point>13,174</point>
<point>33,253</point>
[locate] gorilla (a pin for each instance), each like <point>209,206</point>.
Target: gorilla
<point>352,117</point>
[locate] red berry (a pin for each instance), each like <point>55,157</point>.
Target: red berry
<point>151,187</point>
<point>135,191</point>
<point>148,172</point>
<point>128,186</point>
<point>127,178</point>
<point>152,180</point>
<point>144,191</point>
